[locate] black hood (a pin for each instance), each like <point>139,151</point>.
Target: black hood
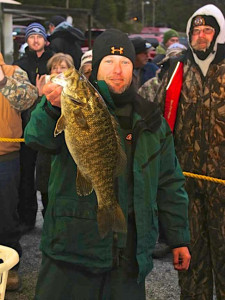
<point>67,31</point>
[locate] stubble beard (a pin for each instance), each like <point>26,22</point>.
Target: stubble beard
<point>196,45</point>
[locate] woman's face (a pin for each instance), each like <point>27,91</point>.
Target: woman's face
<point>58,68</point>
<point>86,70</point>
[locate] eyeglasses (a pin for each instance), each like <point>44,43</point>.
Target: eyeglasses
<point>206,30</point>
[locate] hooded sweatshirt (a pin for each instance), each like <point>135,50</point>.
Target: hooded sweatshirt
<point>67,39</point>
<point>208,10</point>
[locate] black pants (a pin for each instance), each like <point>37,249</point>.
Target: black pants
<point>60,280</point>
<point>27,207</point>
<point>9,220</point>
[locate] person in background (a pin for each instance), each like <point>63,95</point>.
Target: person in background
<point>65,38</point>
<point>76,261</point>
<point>170,37</point>
<point>57,64</point>
<point>150,88</point>
<point>86,64</point>
<point>34,63</point>
<point>16,94</point>
<point>194,106</point>
<point>173,51</point>
<point>143,69</point>
<point>53,22</point>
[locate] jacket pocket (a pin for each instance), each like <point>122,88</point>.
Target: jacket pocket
<point>76,232</point>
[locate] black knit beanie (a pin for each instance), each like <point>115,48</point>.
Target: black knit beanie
<point>111,42</point>
<point>205,20</point>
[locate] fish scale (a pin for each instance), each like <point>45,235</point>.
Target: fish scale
<point>92,138</point>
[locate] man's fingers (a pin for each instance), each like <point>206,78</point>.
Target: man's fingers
<point>55,94</point>
<point>49,87</point>
<point>181,258</point>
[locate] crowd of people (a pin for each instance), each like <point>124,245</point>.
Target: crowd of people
<point>168,117</point>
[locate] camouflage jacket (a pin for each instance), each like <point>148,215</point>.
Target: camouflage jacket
<point>199,131</point>
<point>16,95</point>
<point>149,89</point>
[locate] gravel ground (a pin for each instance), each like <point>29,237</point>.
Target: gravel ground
<point>161,283</point>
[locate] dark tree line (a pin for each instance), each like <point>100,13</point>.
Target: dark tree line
<point>170,13</point>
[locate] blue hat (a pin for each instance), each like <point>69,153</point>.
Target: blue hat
<point>35,28</point>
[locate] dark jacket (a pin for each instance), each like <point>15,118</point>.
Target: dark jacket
<point>70,231</point>
<point>33,65</point>
<point>145,73</point>
<point>67,39</point>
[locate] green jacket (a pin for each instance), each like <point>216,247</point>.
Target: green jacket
<point>70,231</point>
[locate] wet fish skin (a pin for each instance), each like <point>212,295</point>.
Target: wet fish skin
<point>93,141</point>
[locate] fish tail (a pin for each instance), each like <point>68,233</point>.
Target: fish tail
<point>105,220</point>
<point>108,221</point>
<point>119,221</point>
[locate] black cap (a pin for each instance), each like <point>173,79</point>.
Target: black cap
<point>140,45</point>
<point>56,20</point>
<point>111,42</point>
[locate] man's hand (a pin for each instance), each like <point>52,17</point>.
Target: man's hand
<point>40,82</point>
<point>181,258</point>
<point>52,91</point>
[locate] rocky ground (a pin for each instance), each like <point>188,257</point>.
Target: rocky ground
<point>161,284</point>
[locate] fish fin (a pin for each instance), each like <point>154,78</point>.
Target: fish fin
<point>121,158</point>
<point>60,125</point>
<point>83,185</point>
<point>80,119</point>
<point>111,222</point>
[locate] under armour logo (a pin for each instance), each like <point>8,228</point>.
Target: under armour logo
<point>120,50</point>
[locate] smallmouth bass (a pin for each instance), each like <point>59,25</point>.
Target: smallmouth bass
<point>94,143</point>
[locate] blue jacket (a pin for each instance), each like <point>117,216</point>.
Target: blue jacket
<point>148,72</point>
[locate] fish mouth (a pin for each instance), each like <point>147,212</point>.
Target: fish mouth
<point>75,100</point>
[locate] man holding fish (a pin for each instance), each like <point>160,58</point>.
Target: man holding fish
<point>113,174</point>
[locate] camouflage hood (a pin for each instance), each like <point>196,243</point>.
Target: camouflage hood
<point>208,10</point>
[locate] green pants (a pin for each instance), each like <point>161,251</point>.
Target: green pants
<point>207,227</point>
<point>64,281</point>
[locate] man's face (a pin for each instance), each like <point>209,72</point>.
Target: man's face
<point>202,37</point>
<point>51,28</point>
<point>171,41</point>
<point>86,70</point>
<point>116,71</point>
<point>36,42</point>
<point>141,59</point>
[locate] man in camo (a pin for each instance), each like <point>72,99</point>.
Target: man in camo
<point>199,134</point>
<point>16,94</point>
